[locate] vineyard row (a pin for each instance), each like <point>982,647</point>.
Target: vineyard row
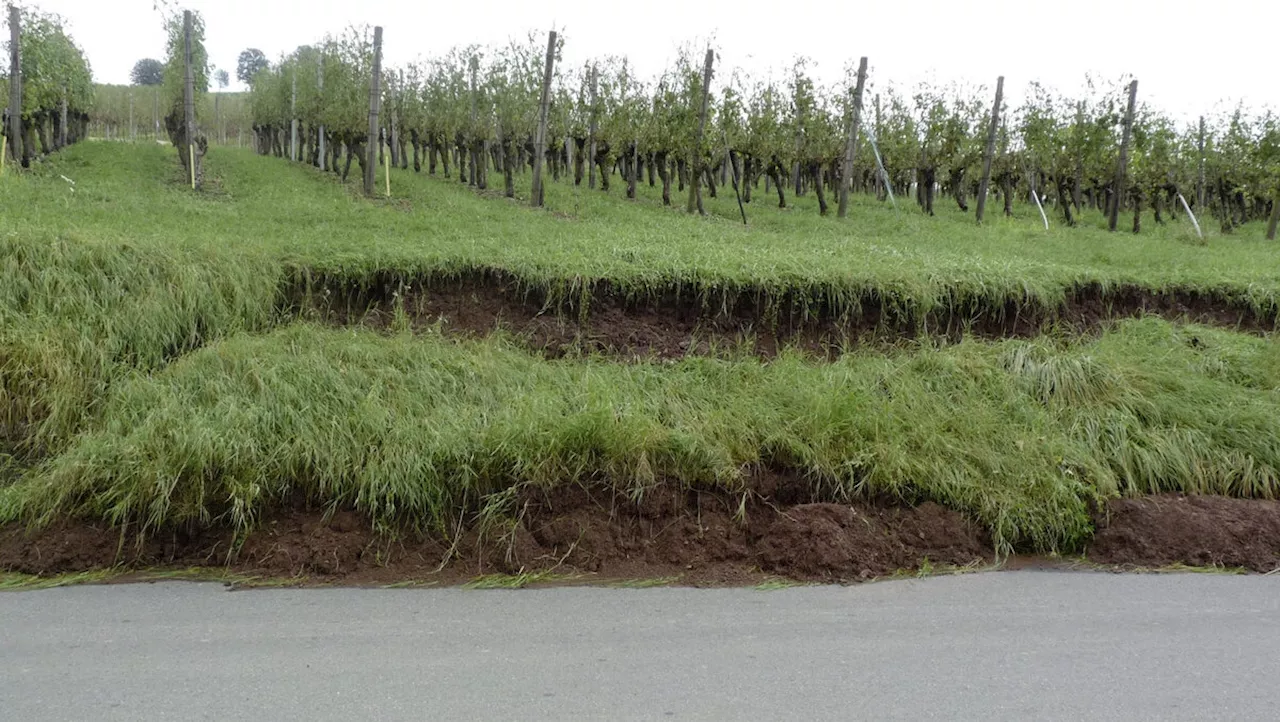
<point>476,108</point>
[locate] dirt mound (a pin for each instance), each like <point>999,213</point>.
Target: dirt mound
<point>62,548</point>
<point>691,537</point>
<point>1195,530</point>
<point>605,320</point>
<point>825,541</point>
<point>295,542</point>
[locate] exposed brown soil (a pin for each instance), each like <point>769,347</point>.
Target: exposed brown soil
<point>1193,530</point>
<point>681,537</point>
<point>688,537</point>
<point>603,320</point>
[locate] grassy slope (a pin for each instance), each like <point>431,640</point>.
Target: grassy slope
<point>129,269</point>
<point>301,218</point>
<point>108,283</point>
<point>1020,435</point>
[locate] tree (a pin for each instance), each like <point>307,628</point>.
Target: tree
<point>147,71</point>
<point>222,78</point>
<point>250,63</point>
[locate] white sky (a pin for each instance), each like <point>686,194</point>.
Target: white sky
<point>1189,57</point>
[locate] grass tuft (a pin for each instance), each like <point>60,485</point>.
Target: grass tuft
<point>15,582</point>
<point>520,580</point>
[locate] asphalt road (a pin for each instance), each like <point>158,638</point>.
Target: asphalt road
<point>1009,645</point>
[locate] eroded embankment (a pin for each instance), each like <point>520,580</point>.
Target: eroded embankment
<point>601,318</point>
<point>690,537</point>
<point>85,316</point>
<point>1202,531</point>
<point>679,537</point>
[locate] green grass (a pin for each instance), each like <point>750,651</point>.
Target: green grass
<point>297,219</point>
<point>14,582</point>
<point>127,269</point>
<point>218,574</point>
<point>777,584</point>
<point>520,580</point>
<point>414,430</point>
<point>929,569</point>
<point>411,584</point>
<point>149,372</point>
<point>1188,569</point>
<point>644,582</point>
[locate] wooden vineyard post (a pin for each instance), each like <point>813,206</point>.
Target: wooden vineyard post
<point>795,166</point>
<point>293,119</point>
<point>628,176</point>
<point>851,143</point>
<point>568,155</point>
<point>1122,167</point>
<point>540,140</point>
<point>133,129</point>
<point>396,130</point>
<point>875,139</point>
<point>188,97</point>
<point>1200,185</point>
<point>389,120</point>
<point>1275,215</point>
<point>635,168</point>
<point>15,85</point>
<point>468,153</point>
<point>320,132</point>
<point>591,132</point>
<point>375,95</point>
<point>400,132</point>
<point>393,157</point>
<point>989,152</point>
<point>737,189</point>
<point>695,160</point>
<point>1079,184</point>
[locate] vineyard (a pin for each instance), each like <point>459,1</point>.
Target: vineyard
<point>130,113</point>
<point>55,93</point>
<point>475,109</point>
<point>743,323</point>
